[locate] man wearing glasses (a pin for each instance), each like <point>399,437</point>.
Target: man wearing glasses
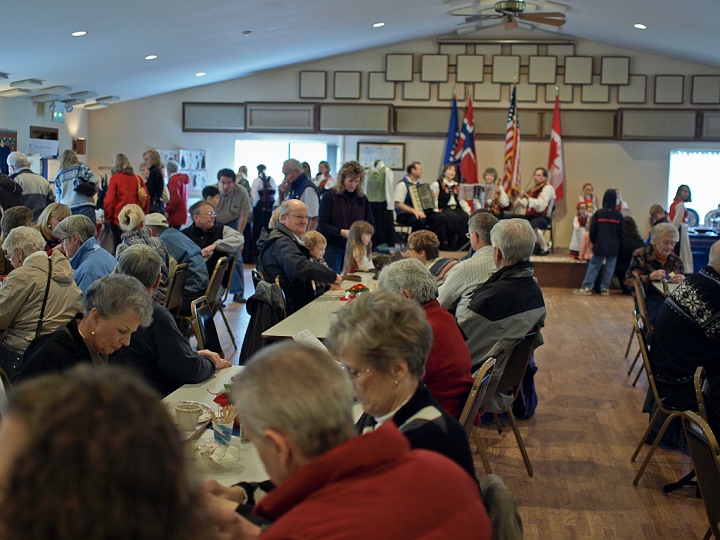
<point>282,253</point>
<point>215,241</point>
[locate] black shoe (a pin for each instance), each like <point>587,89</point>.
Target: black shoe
<point>238,299</point>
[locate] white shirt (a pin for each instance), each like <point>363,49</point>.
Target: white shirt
<point>257,186</point>
<point>462,280</point>
<point>312,201</point>
<point>543,200</point>
<point>401,191</point>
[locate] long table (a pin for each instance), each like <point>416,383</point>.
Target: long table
<point>318,316</point>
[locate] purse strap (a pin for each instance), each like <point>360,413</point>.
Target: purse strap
<point>42,309</point>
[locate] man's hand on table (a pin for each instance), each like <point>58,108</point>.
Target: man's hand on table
<point>337,284</point>
<point>220,363</point>
<point>220,510</point>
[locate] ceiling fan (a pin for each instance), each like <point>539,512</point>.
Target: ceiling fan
<point>510,12</point>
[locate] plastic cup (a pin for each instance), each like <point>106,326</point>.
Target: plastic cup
<point>223,433</point>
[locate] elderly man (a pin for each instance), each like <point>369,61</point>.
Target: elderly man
<point>538,203</point>
<point>507,306</point>
<point>464,278</point>
<point>87,258</point>
<point>299,186</point>
<point>215,240</point>
<point>160,352</point>
<point>687,335</point>
<point>282,253</point>
<point>417,218</point>
<point>447,371</point>
<point>330,483</point>
<point>36,190</point>
<point>183,250</point>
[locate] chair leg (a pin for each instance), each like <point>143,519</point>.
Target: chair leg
<point>520,442</point>
<point>630,340</point>
<point>497,423</point>
<point>708,534</point>
<point>632,366</point>
<point>227,325</point>
<point>642,368</point>
<point>481,451</point>
<point>647,432</point>
<point>654,445</point>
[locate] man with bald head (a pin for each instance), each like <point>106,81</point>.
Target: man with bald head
<point>282,253</point>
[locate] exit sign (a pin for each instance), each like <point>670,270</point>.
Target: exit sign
<point>58,116</point>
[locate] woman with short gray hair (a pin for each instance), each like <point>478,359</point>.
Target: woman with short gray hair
<point>656,262</point>
<point>382,340</point>
<point>25,310</point>
<point>113,308</point>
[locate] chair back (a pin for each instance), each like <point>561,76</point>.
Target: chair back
<point>257,277</point>
<point>204,326</point>
<point>282,294</point>
<point>705,455</point>
<point>213,289</point>
<point>640,325</point>
<point>518,360</point>
<point>701,391</point>
<point>228,286</point>
<point>642,303</point>
<point>476,395</point>
<point>176,288</point>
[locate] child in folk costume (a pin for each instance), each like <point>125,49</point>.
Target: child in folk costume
<point>588,194</point>
<point>358,253</point>
<point>580,222</point>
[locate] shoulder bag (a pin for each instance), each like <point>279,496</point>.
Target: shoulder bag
<point>142,193</point>
<point>83,186</point>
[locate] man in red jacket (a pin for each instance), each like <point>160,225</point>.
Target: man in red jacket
<point>176,209</point>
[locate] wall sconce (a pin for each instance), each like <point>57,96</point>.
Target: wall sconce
<point>80,145</point>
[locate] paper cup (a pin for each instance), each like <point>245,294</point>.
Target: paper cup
<point>187,415</point>
<point>223,433</point>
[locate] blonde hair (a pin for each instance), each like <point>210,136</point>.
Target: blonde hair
<point>274,218</point>
<point>121,164</point>
<point>55,210</point>
<point>312,239</point>
<point>131,217</point>
<point>356,250</point>
<point>154,157</point>
<point>68,159</point>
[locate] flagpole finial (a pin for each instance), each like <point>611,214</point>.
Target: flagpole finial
<point>557,90</point>
<point>515,80</point>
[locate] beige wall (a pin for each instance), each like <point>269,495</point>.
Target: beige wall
<point>638,169</point>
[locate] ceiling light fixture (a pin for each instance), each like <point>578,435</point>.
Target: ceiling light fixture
<point>107,99</point>
<point>151,57</point>
<point>246,33</point>
<point>26,83</point>
<point>57,89</point>
<point>83,95</point>
<point>200,74</point>
<point>15,92</point>
<point>640,26</point>
<point>378,25</point>
<point>79,33</point>
<point>95,106</point>
<point>45,98</point>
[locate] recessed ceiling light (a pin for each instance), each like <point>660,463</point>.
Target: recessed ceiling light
<point>95,106</point>
<point>640,26</point>
<point>107,99</point>
<point>378,24</point>
<point>79,33</point>
<point>200,74</point>
<point>246,32</point>
<point>151,57</point>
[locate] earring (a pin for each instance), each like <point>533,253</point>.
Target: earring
<point>396,383</point>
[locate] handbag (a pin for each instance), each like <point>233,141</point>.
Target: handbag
<point>11,362</point>
<point>83,186</point>
<point>142,193</point>
<point>165,195</point>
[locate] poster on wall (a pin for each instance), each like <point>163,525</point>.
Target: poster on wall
<point>198,180</point>
<point>192,159</point>
<point>392,154</point>
<point>169,154</point>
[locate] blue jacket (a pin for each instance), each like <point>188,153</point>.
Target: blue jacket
<point>91,262</point>
<point>184,250</point>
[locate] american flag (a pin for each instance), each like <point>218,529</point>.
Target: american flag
<point>465,149</point>
<point>511,180</point>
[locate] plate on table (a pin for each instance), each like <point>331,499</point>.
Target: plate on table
<point>205,415</point>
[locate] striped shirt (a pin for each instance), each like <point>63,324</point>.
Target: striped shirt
<point>462,280</point>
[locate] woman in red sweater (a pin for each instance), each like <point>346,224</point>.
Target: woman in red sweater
<point>122,189</point>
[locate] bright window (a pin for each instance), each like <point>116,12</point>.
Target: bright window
<point>272,154</point>
<point>700,170</point>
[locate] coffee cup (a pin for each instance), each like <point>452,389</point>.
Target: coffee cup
<point>187,415</point>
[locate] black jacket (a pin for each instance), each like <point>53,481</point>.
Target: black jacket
<point>265,309</point>
<point>282,255</point>
<point>11,193</point>
<point>607,228</point>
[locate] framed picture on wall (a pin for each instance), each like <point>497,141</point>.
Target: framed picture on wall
<point>167,154</point>
<point>392,154</point>
<point>192,159</point>
<point>198,180</point>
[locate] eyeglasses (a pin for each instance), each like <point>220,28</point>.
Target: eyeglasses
<point>467,234</point>
<point>300,218</point>
<point>667,243</point>
<point>210,214</point>
<point>354,373</point>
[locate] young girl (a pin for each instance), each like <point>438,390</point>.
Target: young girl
<point>579,227</point>
<point>588,194</point>
<point>315,244</point>
<point>358,252</point>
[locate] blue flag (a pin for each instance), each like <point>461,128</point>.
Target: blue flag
<point>452,136</point>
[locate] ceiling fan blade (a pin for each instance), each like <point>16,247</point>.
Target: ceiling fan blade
<point>551,18</point>
<point>476,18</point>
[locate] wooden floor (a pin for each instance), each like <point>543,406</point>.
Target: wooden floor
<point>580,441</point>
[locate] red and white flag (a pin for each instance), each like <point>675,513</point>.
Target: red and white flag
<point>511,178</point>
<point>465,149</point>
<point>556,175</point>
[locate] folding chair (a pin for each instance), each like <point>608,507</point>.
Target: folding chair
<point>176,288</point>
<point>5,385</point>
<point>257,277</point>
<point>472,408</point>
<point>213,289</point>
<point>642,311</point>
<point>705,454</point>
<point>221,304</point>
<point>204,326</point>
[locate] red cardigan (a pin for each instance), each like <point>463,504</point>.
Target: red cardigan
<point>176,208</point>
<point>122,190</point>
<point>448,369</point>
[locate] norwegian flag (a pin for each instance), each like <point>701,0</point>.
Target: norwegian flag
<point>465,149</point>
<point>556,174</point>
<point>511,180</point>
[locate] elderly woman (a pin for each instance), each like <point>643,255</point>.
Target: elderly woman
<point>112,309</point>
<point>37,296</point>
<point>425,247</point>
<point>79,458</point>
<point>656,262</point>
<point>382,341</point>
<point>87,258</point>
<point>132,221</point>
<point>53,214</point>
<point>67,180</point>
<point>447,370</point>
<point>340,207</point>
<point>122,189</point>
